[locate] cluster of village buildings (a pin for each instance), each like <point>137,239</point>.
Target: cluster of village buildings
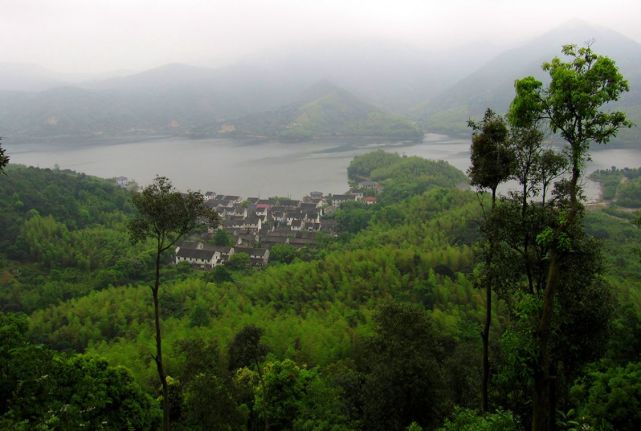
<point>256,225</point>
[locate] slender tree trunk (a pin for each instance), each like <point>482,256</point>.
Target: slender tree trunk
<point>543,410</point>
<point>544,405</point>
<point>485,334</point>
<point>158,357</point>
<point>262,384</point>
<point>526,238</point>
<point>553,379</point>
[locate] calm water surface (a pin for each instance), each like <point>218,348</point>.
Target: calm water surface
<point>265,169</point>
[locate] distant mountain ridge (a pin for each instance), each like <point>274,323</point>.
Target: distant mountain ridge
<point>493,84</point>
<point>377,86</point>
<point>27,77</point>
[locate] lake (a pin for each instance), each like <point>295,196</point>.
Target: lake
<point>260,169</point>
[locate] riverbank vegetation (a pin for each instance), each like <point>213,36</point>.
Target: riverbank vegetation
<point>620,186</point>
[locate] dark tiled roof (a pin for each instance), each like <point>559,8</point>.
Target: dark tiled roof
<point>222,249</point>
<point>301,242</point>
<point>274,240</point>
<point>306,235</point>
<point>308,206</point>
<point>251,251</point>
<point>194,253</point>
<point>188,244</point>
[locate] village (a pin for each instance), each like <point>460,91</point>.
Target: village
<point>253,226</point>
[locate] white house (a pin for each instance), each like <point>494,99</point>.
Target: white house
<point>258,256</point>
<point>222,255</point>
<point>338,200</point>
<point>202,258</point>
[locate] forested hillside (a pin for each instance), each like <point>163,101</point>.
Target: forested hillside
<point>63,235</point>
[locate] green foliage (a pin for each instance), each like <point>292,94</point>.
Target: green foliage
<point>352,217</point>
<point>362,166</point>
<point>204,394</point>
<point>609,180</point>
<point>298,399</point>
<point>246,349</point>
<point>239,262</point>
<point>4,158</point>
<point>44,390</point>
<point>622,186</point>
<point>65,235</point>
<point>611,399</point>
<point>414,175</point>
<point>624,344</point>
<point>571,103</point>
<point>629,193</point>
<point>471,420</point>
<point>491,157</point>
<point>77,200</point>
<point>404,377</point>
<point>219,274</point>
<point>209,405</point>
<point>282,253</point>
<point>165,215</point>
<point>222,238</point>
<point>403,177</point>
<point>620,241</point>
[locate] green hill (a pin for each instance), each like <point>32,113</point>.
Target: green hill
<point>323,111</point>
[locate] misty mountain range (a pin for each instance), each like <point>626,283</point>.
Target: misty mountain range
<point>372,89</point>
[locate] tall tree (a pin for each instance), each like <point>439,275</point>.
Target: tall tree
<point>491,165</point>
<point>572,104</point>
<point>165,215</point>
<point>246,349</point>
<point>404,378</point>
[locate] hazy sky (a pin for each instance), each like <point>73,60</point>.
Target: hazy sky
<point>107,35</point>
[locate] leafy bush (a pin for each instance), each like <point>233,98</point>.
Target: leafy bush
<point>471,420</point>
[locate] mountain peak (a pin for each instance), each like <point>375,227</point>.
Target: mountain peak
<point>581,32</point>
<point>323,88</point>
<point>576,23</point>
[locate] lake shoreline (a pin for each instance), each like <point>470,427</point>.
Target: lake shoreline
<point>265,168</point>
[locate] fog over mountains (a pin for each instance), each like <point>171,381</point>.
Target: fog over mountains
<point>492,85</point>
<point>261,96</point>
